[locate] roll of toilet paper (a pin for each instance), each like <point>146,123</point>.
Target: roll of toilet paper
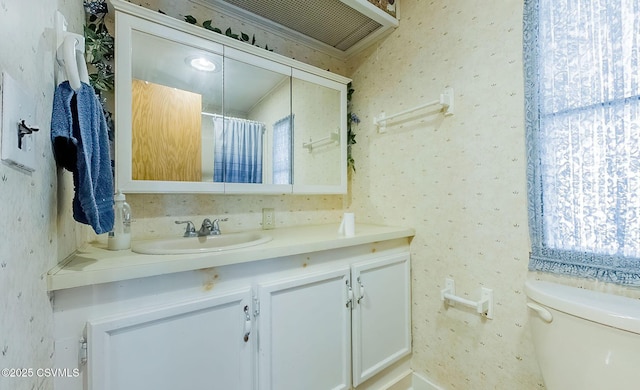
<point>348,225</point>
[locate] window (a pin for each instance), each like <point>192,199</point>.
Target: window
<point>282,131</point>
<point>582,110</point>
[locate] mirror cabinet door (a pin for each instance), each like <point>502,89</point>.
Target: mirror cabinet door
<point>254,135</point>
<point>319,110</point>
<point>165,80</point>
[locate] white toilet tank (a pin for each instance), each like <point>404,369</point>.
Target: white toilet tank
<point>584,340</point>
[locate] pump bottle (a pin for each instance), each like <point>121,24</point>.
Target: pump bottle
<point>120,237</point>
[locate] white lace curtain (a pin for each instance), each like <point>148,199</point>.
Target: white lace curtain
<point>582,107</point>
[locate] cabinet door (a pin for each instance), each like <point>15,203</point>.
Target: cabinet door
<point>255,130</point>
<point>304,332</point>
<point>381,314</point>
<point>319,112</point>
<point>164,140</point>
<point>198,344</point>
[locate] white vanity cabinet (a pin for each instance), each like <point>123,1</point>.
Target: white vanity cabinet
<point>203,342</point>
<point>381,319</point>
<point>329,313</point>
<point>330,329</point>
<point>305,332</point>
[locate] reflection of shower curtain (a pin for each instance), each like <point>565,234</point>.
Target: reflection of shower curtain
<point>238,150</point>
<point>282,131</point>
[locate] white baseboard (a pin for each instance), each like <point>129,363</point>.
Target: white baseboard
<point>412,381</point>
<point>419,382</point>
<point>399,377</point>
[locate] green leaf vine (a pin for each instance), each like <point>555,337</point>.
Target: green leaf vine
<point>99,46</point>
<point>352,121</point>
<point>242,37</point>
<point>99,50</point>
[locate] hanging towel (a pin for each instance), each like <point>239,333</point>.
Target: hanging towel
<point>81,145</point>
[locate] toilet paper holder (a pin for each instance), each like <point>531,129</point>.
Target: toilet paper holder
<point>483,307</point>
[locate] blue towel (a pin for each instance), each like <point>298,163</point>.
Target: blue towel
<point>81,145</point>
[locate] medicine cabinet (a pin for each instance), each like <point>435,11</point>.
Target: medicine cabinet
<point>199,112</point>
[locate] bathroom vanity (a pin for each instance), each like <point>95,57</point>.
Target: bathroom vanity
<point>308,309</point>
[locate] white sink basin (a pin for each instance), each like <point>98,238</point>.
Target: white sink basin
<point>184,245</point>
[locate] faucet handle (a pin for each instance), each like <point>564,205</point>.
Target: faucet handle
<point>190,231</point>
<point>215,230</point>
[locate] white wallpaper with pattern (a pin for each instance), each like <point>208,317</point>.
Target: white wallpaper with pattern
<point>459,180</point>
<point>35,225</point>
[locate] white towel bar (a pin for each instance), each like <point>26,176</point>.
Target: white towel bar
<point>446,100</point>
<point>334,137</point>
<point>483,307</point>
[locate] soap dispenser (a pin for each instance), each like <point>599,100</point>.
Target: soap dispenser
<point>120,237</point>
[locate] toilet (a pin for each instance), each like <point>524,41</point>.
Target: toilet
<point>583,339</point>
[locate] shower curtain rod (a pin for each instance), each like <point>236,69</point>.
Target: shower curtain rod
<point>230,117</point>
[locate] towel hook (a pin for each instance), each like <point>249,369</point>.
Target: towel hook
<point>70,55</point>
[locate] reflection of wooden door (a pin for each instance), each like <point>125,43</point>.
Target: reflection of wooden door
<point>166,126</point>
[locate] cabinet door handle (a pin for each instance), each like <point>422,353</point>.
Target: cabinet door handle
<point>349,295</point>
<point>247,324</point>
<point>361,290</point>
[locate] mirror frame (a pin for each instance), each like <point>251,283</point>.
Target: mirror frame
<point>131,17</point>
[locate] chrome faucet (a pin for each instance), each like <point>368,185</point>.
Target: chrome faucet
<point>190,231</point>
<point>210,228</point>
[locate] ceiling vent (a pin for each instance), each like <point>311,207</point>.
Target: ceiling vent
<point>337,27</point>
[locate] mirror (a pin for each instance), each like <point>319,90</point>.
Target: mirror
<point>254,145</point>
<point>317,145</point>
<point>168,97</point>
<point>194,115</point>
<point>190,124</point>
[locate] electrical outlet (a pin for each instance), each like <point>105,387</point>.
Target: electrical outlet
<point>268,219</point>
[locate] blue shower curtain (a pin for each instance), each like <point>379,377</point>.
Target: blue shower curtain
<point>238,150</point>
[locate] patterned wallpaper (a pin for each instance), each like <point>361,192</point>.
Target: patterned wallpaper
<point>459,180</point>
<point>36,225</point>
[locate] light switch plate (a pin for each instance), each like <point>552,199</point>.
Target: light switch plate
<point>17,106</point>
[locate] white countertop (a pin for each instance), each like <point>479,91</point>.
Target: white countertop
<point>93,263</point>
